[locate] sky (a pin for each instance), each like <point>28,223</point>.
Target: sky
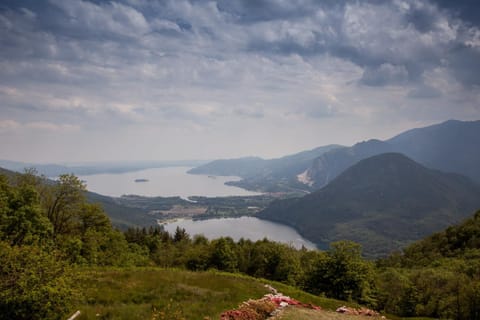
<point>191,79</point>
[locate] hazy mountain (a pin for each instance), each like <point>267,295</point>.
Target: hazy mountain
<point>49,170</point>
<point>329,165</point>
<point>267,175</point>
<point>452,146</point>
<point>54,170</point>
<point>382,202</point>
<point>241,167</point>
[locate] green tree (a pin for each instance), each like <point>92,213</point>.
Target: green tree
<point>344,274</point>
<point>92,217</point>
<point>223,255</point>
<point>34,284</point>
<point>287,269</point>
<point>181,235</point>
<point>64,202</point>
<point>21,219</point>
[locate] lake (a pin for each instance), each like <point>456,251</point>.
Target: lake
<point>165,182</point>
<point>174,181</point>
<point>243,227</point>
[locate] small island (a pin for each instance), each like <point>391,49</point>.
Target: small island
<point>141,180</point>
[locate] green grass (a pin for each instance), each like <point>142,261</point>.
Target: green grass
<point>173,294</point>
<point>294,313</point>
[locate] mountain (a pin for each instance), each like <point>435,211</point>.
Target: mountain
<point>383,202</point>
<point>457,241</point>
<point>329,165</point>
<point>270,175</point>
<point>241,167</point>
<point>452,146</point>
<point>122,216</point>
<point>49,170</point>
<point>54,170</point>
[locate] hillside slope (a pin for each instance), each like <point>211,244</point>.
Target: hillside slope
<point>143,292</point>
<point>451,146</point>
<point>457,241</point>
<point>270,175</point>
<point>121,216</point>
<point>383,202</point>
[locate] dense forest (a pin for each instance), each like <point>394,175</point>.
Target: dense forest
<point>48,231</point>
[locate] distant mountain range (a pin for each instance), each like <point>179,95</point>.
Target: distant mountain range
<point>272,175</point>
<point>382,194</point>
<point>54,170</point>
<point>383,202</point>
<point>452,146</point>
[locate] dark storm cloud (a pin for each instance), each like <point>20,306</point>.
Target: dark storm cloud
<point>423,18</point>
<point>193,67</point>
<point>464,60</point>
<point>73,30</point>
<point>414,39</point>
<point>466,10</point>
<point>251,11</point>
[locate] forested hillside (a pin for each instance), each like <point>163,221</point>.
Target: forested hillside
<point>51,230</point>
<point>438,276</point>
<point>383,202</point>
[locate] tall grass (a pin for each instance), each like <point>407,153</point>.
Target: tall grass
<point>161,294</point>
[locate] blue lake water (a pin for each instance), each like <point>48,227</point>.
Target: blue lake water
<point>243,227</point>
<point>174,181</point>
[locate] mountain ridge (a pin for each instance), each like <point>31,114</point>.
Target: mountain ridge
<point>267,175</point>
<point>450,146</point>
<point>383,202</point>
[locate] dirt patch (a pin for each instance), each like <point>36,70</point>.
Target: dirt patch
<point>298,313</point>
<point>185,210</point>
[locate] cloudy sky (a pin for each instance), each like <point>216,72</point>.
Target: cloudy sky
<point>162,80</point>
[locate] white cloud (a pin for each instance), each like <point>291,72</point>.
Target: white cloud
<point>12,125</point>
<point>260,77</point>
<point>6,125</point>
<point>112,17</point>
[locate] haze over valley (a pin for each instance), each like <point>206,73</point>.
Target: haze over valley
<point>384,205</point>
<point>192,159</point>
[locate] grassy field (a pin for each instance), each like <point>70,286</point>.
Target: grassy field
<point>154,293</point>
<point>294,313</point>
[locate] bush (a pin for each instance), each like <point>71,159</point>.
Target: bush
<point>33,285</point>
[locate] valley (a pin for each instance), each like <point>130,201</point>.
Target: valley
<point>240,160</point>
<point>387,226</point>
<point>382,194</point>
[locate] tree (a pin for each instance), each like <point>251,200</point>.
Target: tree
<point>64,202</point>
<point>34,284</point>
<point>92,217</point>
<point>343,274</point>
<point>21,219</point>
<point>223,255</point>
<point>181,235</point>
